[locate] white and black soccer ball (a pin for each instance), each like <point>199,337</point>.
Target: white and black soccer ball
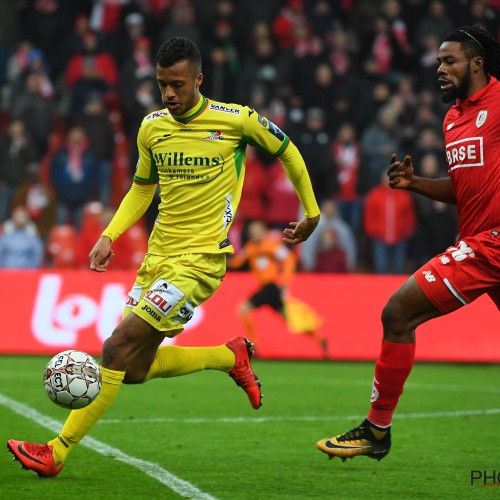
<point>72,379</point>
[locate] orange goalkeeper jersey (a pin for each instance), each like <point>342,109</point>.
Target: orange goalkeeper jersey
<point>270,261</point>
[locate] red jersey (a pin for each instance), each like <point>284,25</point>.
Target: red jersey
<point>472,135</point>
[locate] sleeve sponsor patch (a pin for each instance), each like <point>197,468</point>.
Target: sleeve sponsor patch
<point>276,131</point>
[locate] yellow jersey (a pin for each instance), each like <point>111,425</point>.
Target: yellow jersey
<point>198,159</point>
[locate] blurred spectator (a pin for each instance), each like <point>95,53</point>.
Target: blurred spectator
<point>322,88</point>
<point>219,75</point>
<point>138,66</point>
<point>44,24</point>
<point>139,102</point>
<point>73,173</point>
<point>330,256</point>
<point>345,148</point>
<point>35,109</point>
<point>97,126</point>
<point>379,140</point>
<point>330,219</point>
<point>264,69</point>
<point>92,70</point>
<point>389,220</point>
<point>287,23</point>
<point>437,227</point>
<point>139,19</point>
<point>39,199</point>
<point>434,20</point>
<point>20,245</point>
<point>314,143</point>
<point>181,22</point>
<point>483,13</point>
<point>16,153</point>
<point>75,41</point>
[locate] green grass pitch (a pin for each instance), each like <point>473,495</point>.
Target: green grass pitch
<point>197,436</point>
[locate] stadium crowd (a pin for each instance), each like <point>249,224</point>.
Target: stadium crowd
<point>350,81</point>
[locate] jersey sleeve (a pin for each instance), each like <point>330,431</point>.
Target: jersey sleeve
<point>268,137</point>
<point>145,171</point>
<point>262,133</point>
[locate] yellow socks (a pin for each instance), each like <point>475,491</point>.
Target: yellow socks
<point>173,361</point>
<point>81,421</point>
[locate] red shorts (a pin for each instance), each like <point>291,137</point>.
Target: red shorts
<point>463,273</point>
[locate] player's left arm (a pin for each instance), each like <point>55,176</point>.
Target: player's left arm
<point>296,170</point>
<point>266,136</point>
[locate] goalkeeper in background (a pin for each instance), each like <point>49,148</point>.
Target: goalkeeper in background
<point>273,264</point>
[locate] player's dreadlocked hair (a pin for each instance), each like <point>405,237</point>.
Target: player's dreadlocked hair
<point>179,49</point>
<point>475,41</point>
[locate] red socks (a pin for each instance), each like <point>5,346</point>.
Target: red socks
<point>391,371</point>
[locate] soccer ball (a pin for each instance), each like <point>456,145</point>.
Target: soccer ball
<point>72,379</point>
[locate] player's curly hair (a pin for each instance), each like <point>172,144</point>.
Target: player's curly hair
<point>475,41</point>
<point>179,49</point>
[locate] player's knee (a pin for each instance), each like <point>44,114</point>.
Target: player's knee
<point>394,320</point>
<point>116,349</point>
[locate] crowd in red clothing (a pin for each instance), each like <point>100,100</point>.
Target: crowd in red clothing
<point>349,82</point>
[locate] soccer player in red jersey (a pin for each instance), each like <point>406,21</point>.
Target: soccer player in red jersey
<point>468,72</point>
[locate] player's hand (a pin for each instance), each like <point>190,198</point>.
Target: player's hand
<point>400,174</point>
<point>100,256</point>
<point>300,231</point>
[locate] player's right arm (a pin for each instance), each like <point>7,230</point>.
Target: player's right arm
<point>401,177</point>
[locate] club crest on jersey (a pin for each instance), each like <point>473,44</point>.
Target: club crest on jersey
<point>481,117</point>
<point>214,136</point>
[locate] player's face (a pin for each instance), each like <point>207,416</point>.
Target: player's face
<point>454,72</point>
<point>179,86</point>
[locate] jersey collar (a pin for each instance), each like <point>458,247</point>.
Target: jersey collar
<point>475,97</point>
<point>198,108</point>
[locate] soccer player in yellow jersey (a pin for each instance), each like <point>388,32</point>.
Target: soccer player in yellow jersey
<point>195,150</point>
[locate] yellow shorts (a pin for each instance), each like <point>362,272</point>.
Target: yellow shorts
<point>168,289</point>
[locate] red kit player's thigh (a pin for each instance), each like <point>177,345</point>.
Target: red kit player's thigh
<point>463,272</point>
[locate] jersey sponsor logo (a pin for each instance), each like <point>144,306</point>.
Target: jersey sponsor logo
<point>214,136</point>
<point>179,159</point>
<point>228,215</point>
<point>184,314</point>
<point>157,114</point>
<point>163,296</point>
<point>465,153</point>
<point>152,313</point>
<point>481,117</point>
<point>276,131</point>
<point>224,109</point>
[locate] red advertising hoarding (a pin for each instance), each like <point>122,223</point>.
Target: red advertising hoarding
<point>46,312</point>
